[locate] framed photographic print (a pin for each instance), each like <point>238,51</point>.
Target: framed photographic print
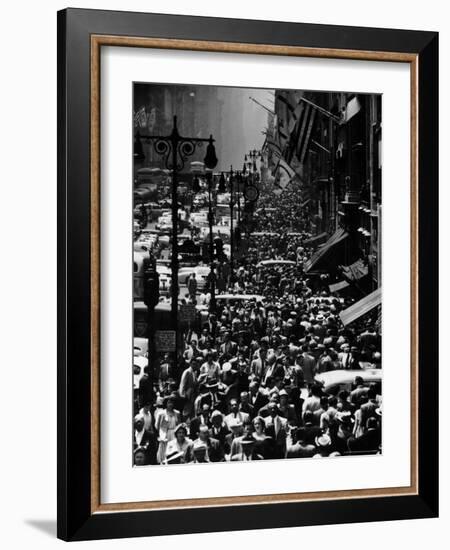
<point>247,273</point>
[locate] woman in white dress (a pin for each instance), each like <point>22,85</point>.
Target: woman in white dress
<point>166,423</point>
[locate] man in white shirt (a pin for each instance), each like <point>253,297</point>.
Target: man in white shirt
<point>235,414</point>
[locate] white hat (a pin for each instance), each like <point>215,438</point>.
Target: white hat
<point>323,440</point>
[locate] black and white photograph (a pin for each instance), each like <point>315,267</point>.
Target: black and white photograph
<point>257,274</point>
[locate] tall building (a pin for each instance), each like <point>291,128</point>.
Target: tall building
<point>197,108</point>
<point>333,143</point>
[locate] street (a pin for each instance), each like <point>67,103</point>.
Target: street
<point>271,347</point>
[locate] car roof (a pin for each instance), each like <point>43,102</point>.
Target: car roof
<point>256,297</point>
<point>140,361</point>
<point>275,262</point>
<point>342,376</point>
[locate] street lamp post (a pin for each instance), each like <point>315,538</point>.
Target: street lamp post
<point>231,181</point>
<point>212,275</point>
<point>239,190</point>
<point>176,150</point>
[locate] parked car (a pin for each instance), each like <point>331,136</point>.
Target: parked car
<point>139,363</point>
<point>140,346</point>
<point>227,298</point>
<point>275,263</point>
<point>165,278</point>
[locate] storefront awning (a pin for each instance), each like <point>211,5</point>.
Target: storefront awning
<point>336,287</point>
<point>364,306</point>
<point>355,271</point>
<point>324,250</point>
<point>317,239</point>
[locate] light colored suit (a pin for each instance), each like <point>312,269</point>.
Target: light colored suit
<point>240,416</point>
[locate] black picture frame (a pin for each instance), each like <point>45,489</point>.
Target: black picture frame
<point>76,521</point>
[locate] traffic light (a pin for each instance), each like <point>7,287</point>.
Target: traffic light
<point>196,185</point>
<point>138,150</point>
<point>218,246</point>
<point>151,287</point>
<point>237,236</point>
<point>221,188</point>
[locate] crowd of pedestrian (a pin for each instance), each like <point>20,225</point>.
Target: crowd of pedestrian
<point>246,386</point>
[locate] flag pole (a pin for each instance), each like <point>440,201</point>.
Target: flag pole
<point>261,105</point>
<point>322,110</point>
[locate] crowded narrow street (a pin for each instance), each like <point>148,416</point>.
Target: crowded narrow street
<point>257,311</point>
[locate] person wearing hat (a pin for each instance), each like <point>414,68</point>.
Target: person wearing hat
<point>344,432</point>
<point>275,368</point>
<point>165,371</point>
<point>368,409</point>
<point>328,421</point>
<point>145,391</point>
<point>242,347</point>
<point>323,445</point>
<point>258,366</point>
<point>245,405</point>
<point>241,365</point>
<point>293,348</point>
<point>203,418</point>
<point>311,430</point>
<point>192,351</point>
<point>359,395</point>
<point>199,453</point>
<point>228,348</point>
<point>248,452</point>
<point>209,395</point>
<point>286,409</point>
<point>180,444</point>
<point>237,435</point>
<point>344,356</point>
<point>344,403</point>
<point>258,397</point>
<point>205,340</point>
<point>354,359</point>
<point>212,326</point>
<point>192,286</point>
<point>174,457</point>
<point>329,339</point>
<point>325,362</point>
<point>219,430</point>
<point>370,338</point>
<point>307,363</point>
<point>369,441</point>
<point>214,451</point>
<point>228,374</point>
<point>273,397</point>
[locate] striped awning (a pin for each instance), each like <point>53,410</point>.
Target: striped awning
<point>364,306</point>
<point>338,236</point>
